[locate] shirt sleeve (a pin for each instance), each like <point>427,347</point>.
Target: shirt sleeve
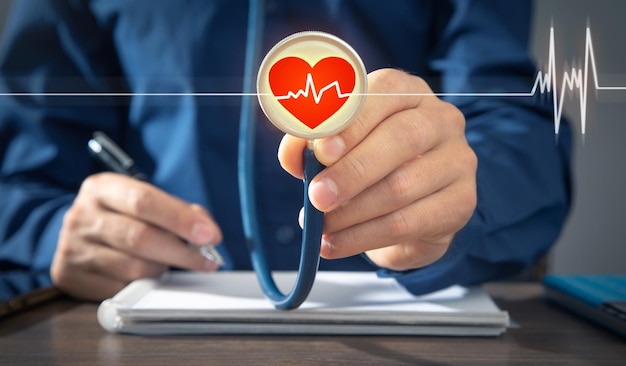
<point>43,154</point>
<point>523,177</point>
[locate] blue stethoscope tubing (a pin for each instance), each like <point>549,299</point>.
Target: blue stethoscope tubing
<point>313,218</point>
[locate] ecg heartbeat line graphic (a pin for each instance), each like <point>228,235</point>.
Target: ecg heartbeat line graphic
<point>309,87</point>
<point>576,79</point>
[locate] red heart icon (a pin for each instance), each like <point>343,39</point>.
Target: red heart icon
<point>312,94</point>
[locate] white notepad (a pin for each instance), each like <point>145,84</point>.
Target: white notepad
<point>339,303</point>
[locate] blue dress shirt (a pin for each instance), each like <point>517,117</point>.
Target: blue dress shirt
<point>187,144</point>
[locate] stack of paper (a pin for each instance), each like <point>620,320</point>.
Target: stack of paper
<point>339,303</point>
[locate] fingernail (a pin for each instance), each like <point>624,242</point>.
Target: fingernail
<point>330,150</point>
<point>327,248</point>
<point>202,233</point>
<point>301,218</point>
<point>210,266</point>
<point>323,194</point>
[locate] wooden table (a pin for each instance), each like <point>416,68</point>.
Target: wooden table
<point>66,332</point>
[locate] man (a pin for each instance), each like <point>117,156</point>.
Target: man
<point>403,193</point>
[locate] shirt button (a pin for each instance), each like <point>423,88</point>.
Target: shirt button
<point>285,235</point>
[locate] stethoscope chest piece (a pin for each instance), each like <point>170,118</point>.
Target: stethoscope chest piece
<point>311,85</point>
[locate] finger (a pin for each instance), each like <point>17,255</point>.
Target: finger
<point>121,266</point>
<point>87,256</point>
<point>148,242</point>
<point>290,155</point>
<point>87,285</point>
<point>148,203</point>
<point>412,181</point>
<point>92,271</point>
<point>377,108</point>
<point>411,254</point>
<point>428,219</point>
<point>395,141</point>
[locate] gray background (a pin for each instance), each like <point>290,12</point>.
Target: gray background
<point>593,239</point>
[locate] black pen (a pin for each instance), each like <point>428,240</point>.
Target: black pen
<point>115,159</point>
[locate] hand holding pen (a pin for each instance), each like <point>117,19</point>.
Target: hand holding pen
<point>114,158</point>
<point>119,229</point>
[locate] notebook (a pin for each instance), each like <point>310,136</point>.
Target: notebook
<point>599,298</point>
<point>339,303</point>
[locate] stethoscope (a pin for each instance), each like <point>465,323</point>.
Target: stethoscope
<point>285,108</point>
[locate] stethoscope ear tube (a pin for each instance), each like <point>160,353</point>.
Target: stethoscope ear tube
<point>309,255</point>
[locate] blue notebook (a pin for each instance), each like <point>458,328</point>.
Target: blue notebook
<point>599,298</point>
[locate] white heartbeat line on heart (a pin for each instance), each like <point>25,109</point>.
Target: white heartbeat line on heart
<point>309,87</point>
